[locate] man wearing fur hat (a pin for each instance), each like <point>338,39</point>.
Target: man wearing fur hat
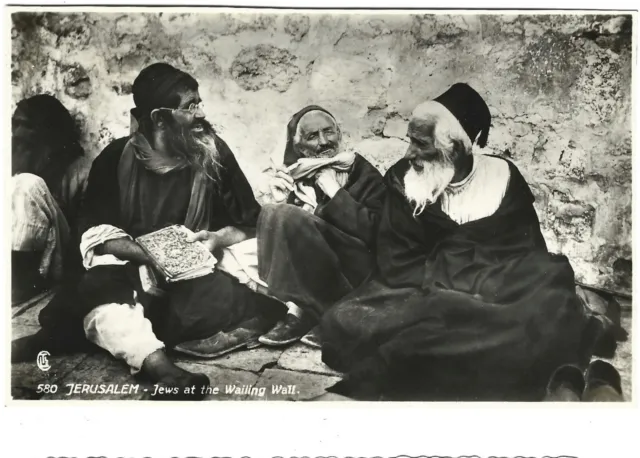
<point>467,302</point>
<point>316,245</point>
<point>172,169</point>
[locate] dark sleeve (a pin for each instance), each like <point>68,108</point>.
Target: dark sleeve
<point>240,204</point>
<point>101,200</point>
<point>356,209</point>
<point>402,247</point>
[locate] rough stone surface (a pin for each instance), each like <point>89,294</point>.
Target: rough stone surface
<point>20,330</point>
<point>231,384</point>
<point>558,87</point>
<point>100,368</point>
<point>302,358</point>
<point>302,385</point>
<point>254,361</point>
<point>265,66</point>
<point>26,376</point>
<point>37,301</point>
<point>96,369</point>
<point>26,314</point>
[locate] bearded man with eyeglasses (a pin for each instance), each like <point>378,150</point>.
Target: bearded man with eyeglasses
<point>172,169</point>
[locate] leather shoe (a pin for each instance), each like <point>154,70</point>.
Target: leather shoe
<point>313,338</point>
<point>603,383</point>
<point>565,385</point>
<point>286,331</point>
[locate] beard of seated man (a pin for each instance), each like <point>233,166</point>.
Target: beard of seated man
<point>196,143</point>
<point>426,180</point>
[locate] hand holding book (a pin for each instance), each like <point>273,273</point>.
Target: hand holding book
<point>210,240</point>
<point>174,256</point>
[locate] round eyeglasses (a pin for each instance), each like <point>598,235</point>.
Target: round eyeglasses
<point>192,108</point>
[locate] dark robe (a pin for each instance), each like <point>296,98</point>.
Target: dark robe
<point>479,310</point>
<point>192,309</point>
<point>315,259</point>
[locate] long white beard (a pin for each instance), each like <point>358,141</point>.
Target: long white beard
<point>422,188</point>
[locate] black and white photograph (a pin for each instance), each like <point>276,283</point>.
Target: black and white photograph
<point>253,204</point>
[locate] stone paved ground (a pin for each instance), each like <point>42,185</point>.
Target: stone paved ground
<point>250,375</point>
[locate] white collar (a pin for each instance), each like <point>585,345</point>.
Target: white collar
<point>466,179</point>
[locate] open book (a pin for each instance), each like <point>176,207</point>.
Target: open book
<point>174,257</point>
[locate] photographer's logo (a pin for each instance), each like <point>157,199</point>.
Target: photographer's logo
<point>43,360</point>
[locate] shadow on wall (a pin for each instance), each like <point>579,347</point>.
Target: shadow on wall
<point>558,87</point>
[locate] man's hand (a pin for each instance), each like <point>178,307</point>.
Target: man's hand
<point>211,240</point>
<point>281,185</point>
<point>327,181</point>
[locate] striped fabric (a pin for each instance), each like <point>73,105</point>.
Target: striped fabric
<point>38,224</point>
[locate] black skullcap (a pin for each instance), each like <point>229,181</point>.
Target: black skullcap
<point>290,156</point>
<point>155,87</point>
<point>470,110</point>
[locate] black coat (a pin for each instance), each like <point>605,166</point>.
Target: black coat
<point>474,310</point>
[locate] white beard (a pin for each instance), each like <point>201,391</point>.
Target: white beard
<point>422,188</point>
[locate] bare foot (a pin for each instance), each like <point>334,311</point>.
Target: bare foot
<point>171,382</point>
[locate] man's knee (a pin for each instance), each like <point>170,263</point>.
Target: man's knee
<point>104,285</point>
<point>284,216</point>
<point>334,317</point>
<point>122,330</point>
<point>347,317</point>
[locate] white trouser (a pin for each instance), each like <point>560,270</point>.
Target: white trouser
<point>123,331</point>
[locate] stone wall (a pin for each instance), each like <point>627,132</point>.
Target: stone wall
<point>558,87</point>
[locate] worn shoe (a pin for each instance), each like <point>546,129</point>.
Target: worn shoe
<point>313,338</point>
<point>603,383</point>
<point>220,343</point>
<point>565,385</point>
<point>286,331</point>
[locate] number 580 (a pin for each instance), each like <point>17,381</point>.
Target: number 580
<point>46,388</point>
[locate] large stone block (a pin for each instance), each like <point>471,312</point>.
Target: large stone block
<point>359,82</point>
<point>265,66</point>
<point>226,384</point>
<point>100,377</point>
<point>302,358</point>
<point>282,385</point>
<point>297,25</point>
<point>431,29</point>
<point>396,127</point>
<point>76,81</point>
<point>253,360</point>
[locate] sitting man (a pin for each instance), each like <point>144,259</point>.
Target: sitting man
<point>467,302</point>
<point>49,171</point>
<point>318,246</point>
<point>173,169</point>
